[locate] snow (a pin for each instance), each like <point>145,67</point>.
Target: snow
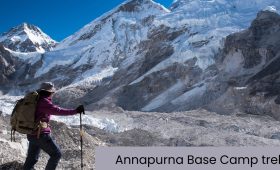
<point>190,95</point>
<point>116,35</point>
<point>23,32</point>
<point>222,5</point>
<point>146,9</point>
<point>94,75</point>
<point>38,37</point>
<point>165,97</point>
<point>24,144</point>
<point>8,102</point>
<point>105,123</point>
<point>218,14</point>
<point>17,38</point>
<point>21,147</point>
<point>240,88</point>
<point>182,52</point>
<point>103,49</point>
<point>233,63</point>
<point>5,62</point>
<point>30,57</point>
<point>91,77</point>
<point>212,21</point>
<point>271,9</point>
<point>179,57</point>
<point>198,128</point>
<point>114,39</point>
<point>163,7</point>
<point>4,132</point>
<point>98,56</point>
<point>56,58</point>
<point>107,46</point>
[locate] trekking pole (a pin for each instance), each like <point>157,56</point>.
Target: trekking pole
<point>81,139</point>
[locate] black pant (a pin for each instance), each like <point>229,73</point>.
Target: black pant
<point>45,143</point>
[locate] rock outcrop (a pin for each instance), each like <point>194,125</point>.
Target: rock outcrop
<point>252,56</point>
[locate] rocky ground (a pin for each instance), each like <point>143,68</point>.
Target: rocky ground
<point>67,138</point>
<point>192,128</point>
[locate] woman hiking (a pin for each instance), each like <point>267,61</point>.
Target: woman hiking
<point>41,139</point>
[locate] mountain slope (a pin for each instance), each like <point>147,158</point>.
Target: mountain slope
<point>128,14</point>
<point>256,53</point>
<point>98,49</point>
<point>174,74</point>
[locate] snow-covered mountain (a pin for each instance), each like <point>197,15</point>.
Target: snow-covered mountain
<point>27,38</point>
<point>142,56</point>
<point>128,16</point>
<point>100,47</point>
<point>219,55</point>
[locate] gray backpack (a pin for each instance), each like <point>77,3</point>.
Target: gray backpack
<point>23,115</point>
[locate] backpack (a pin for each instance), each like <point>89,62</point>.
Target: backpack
<point>23,115</point>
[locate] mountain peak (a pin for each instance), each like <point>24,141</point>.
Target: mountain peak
<point>130,12</point>
<point>267,14</point>
<point>136,5</point>
<point>226,4</point>
<point>27,26</point>
<point>22,28</point>
<point>24,25</point>
<point>27,38</point>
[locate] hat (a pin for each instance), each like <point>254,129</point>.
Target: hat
<point>47,86</point>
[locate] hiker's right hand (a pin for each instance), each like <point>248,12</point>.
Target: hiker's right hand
<point>80,109</point>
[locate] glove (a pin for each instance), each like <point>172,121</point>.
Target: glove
<point>80,109</point>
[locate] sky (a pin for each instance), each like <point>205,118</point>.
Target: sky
<point>57,18</point>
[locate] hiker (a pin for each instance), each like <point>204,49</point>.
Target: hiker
<point>41,138</point>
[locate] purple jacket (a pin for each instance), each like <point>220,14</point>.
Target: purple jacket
<point>45,108</point>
